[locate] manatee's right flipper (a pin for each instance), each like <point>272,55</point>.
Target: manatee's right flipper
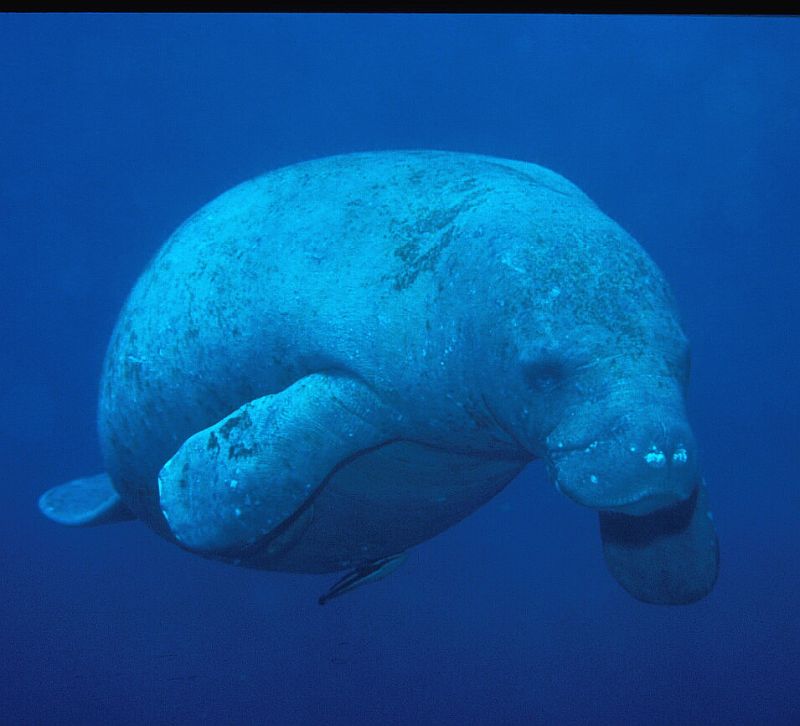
<point>252,475</point>
<point>669,557</point>
<point>372,571</point>
<point>84,502</point>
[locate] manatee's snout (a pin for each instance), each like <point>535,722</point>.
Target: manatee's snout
<point>636,470</point>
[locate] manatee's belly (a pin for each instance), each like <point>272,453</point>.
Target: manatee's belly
<point>385,502</point>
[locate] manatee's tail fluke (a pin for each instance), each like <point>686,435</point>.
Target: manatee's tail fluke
<point>669,557</point>
<point>84,502</point>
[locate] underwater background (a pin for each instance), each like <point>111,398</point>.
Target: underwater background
<point>685,130</point>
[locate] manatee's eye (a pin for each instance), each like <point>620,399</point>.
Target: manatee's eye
<point>687,359</point>
<point>681,364</point>
<point>545,372</point>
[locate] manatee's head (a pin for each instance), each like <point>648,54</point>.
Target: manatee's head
<point>598,369</point>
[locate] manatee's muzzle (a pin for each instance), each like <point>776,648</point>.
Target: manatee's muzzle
<point>638,470</point>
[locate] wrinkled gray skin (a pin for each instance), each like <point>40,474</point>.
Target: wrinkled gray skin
<point>429,323</point>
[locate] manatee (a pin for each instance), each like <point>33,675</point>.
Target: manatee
<point>340,359</point>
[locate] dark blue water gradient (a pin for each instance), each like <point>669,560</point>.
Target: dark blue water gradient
<point>113,129</point>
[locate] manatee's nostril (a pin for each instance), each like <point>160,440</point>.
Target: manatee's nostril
<point>655,457</point>
<point>680,456</point>
<point>658,459</point>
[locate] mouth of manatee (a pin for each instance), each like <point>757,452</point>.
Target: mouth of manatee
<point>622,475</point>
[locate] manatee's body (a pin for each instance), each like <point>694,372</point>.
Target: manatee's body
<point>340,359</point>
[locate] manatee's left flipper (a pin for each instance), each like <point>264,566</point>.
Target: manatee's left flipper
<point>84,502</point>
<point>669,557</point>
<point>372,571</point>
<point>251,475</point>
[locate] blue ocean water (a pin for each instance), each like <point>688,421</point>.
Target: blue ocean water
<point>686,130</point>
